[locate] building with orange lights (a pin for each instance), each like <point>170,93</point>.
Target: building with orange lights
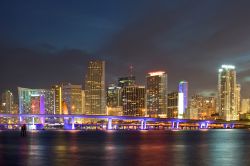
<point>156,85</point>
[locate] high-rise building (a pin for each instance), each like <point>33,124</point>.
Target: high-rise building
<point>95,88</point>
<point>57,99</point>
<point>134,100</point>
<point>37,104</point>
<point>202,107</point>
<point>183,88</point>
<point>172,111</point>
<point>83,102</point>
<point>72,96</point>
<point>126,81</point>
<point>114,103</point>
<point>156,94</point>
<point>113,96</point>
<point>29,99</point>
<point>238,98</point>
<point>245,106</point>
<point>7,102</point>
<point>227,93</point>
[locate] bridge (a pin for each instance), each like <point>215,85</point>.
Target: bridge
<point>175,123</point>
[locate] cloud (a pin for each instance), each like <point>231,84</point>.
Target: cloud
<point>41,68</point>
<point>190,41</point>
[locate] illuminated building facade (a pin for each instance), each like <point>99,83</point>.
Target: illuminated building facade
<point>134,100</point>
<point>83,102</point>
<point>57,99</point>
<point>227,98</point>
<point>113,96</point>
<point>183,94</point>
<point>35,101</point>
<point>126,81</point>
<point>7,102</point>
<point>114,104</point>
<point>37,104</point>
<point>72,96</point>
<point>245,106</point>
<point>156,94</point>
<point>202,107</point>
<point>172,109</point>
<point>95,88</point>
<point>238,98</point>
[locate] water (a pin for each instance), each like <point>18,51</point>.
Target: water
<point>197,148</point>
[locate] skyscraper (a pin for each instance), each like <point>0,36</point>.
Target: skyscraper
<point>7,102</point>
<point>245,106</point>
<point>134,100</point>
<point>113,96</point>
<point>201,107</point>
<point>72,96</point>
<point>183,88</point>
<point>114,104</point>
<point>238,97</point>
<point>35,101</point>
<point>172,111</point>
<point>29,99</point>
<point>156,94</point>
<point>95,88</point>
<point>57,99</point>
<point>227,93</point>
<point>83,102</point>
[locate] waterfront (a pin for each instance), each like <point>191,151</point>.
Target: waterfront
<point>201,147</point>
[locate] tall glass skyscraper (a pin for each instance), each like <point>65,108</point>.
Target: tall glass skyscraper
<point>227,90</point>
<point>156,94</point>
<point>172,109</point>
<point>134,100</point>
<point>72,97</point>
<point>35,101</point>
<point>95,88</point>
<point>7,102</point>
<point>113,96</point>
<point>183,98</point>
<point>57,99</point>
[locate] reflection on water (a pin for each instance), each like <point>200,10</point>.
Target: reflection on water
<point>210,147</point>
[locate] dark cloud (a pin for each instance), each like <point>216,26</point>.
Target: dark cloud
<point>188,39</point>
<point>41,68</point>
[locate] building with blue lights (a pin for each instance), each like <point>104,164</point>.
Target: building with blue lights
<point>183,98</point>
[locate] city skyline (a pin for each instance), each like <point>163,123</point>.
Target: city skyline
<point>187,45</point>
<point>125,82</point>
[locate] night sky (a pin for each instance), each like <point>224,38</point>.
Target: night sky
<point>51,41</point>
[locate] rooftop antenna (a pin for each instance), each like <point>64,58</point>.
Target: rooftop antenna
<point>131,70</point>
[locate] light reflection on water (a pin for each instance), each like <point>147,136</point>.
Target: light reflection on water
<point>205,147</point>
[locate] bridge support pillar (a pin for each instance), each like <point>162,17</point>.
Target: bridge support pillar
<point>225,125</point>
<point>203,125</point>
<point>20,119</point>
<point>66,123</point>
<point>206,125</point>
<point>33,127</point>
<point>232,125</point>
<point>73,123</point>
<point>175,125</point>
<point>143,124</point>
<point>109,124</point>
<point>42,120</point>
